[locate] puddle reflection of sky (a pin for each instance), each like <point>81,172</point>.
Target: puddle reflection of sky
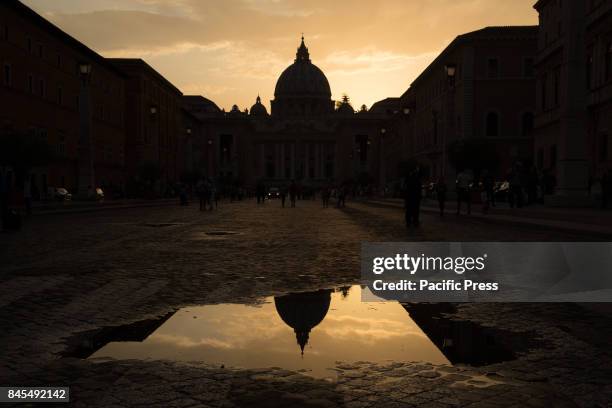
<point>256,337</point>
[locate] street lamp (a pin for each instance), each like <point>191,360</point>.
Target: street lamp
<point>86,180</point>
<point>188,131</point>
<point>383,131</point>
<point>406,111</point>
<point>153,110</point>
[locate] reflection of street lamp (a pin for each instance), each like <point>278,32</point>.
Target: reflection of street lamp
<point>86,178</point>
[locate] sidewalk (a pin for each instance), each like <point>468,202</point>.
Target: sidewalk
<point>68,207</point>
<point>582,220</point>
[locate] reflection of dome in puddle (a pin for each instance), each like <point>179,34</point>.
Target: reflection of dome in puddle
<point>303,311</point>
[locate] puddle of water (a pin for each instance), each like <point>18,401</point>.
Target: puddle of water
<point>306,332</point>
<point>327,325</point>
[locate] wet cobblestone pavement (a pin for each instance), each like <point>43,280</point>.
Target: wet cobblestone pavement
<point>68,274</point>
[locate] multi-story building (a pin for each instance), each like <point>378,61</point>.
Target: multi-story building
<point>574,108</point>
<point>478,94</point>
<point>153,122</point>
<point>53,86</point>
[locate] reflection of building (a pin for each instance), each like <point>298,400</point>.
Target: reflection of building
<point>465,342</point>
<point>41,90</point>
<point>481,89</point>
<point>86,344</point>
<point>303,311</point>
<point>574,94</point>
<point>303,138</point>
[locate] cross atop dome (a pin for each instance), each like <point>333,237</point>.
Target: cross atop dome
<point>302,52</point>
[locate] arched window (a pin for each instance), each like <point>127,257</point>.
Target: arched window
<point>527,124</point>
<point>492,124</point>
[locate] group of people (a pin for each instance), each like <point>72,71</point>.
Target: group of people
<point>207,194</point>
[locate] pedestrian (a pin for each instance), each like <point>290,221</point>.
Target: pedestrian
<point>488,186</point>
<point>515,198</point>
<point>412,198</point>
<point>201,192</point>
<point>532,185</point>
<point>441,194</point>
<point>293,190</point>
<point>27,194</point>
<point>463,184</point>
<point>325,193</point>
<point>342,191</point>
<point>214,198</point>
<point>283,195</point>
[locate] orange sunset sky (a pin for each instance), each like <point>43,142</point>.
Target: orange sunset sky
<point>232,50</point>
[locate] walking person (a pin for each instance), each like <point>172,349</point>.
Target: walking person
<point>463,183</point>
<point>441,194</point>
<point>283,195</point>
<point>325,193</point>
<point>27,194</point>
<point>293,193</point>
<point>488,186</point>
<point>412,198</point>
<point>201,192</point>
<point>515,197</point>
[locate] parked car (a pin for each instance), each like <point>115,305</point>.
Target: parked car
<point>59,193</point>
<point>273,193</point>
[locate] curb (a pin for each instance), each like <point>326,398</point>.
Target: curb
<point>510,220</point>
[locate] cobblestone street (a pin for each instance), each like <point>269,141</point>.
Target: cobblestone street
<point>64,275</point>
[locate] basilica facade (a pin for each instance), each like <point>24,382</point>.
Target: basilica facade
<point>307,137</point>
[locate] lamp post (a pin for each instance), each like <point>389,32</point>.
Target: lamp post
<point>451,73</point>
<point>209,157</point>
<point>86,179</point>
<point>381,159</point>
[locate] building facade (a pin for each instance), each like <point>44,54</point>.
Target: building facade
<point>304,138</point>
<point>478,94</point>
<point>44,92</point>
<point>574,74</point>
<point>153,123</point>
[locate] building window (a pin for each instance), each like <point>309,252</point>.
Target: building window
<point>42,88</point>
<point>540,159</point>
<point>589,71</point>
<point>608,63</point>
<point>60,95</point>
<point>492,124</point>
<point>528,67</point>
<point>493,68</point>
<point>603,147</point>
<point>543,91</point>
<point>40,50</point>
<point>527,124</point>
<point>61,146</point>
<point>557,85</point>
<point>553,156</point>
<point>59,60</point>
<point>8,75</point>
<point>30,85</point>
<point>29,41</point>
<point>6,33</point>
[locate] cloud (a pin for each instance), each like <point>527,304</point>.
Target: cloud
<point>241,46</point>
